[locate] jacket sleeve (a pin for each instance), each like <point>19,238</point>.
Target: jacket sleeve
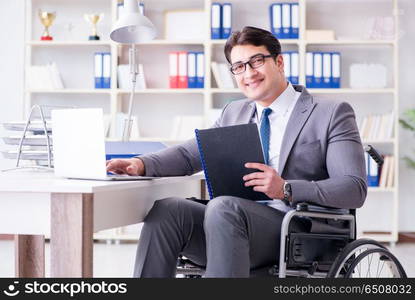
<point>346,186</point>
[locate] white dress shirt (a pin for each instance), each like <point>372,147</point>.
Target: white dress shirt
<point>282,108</point>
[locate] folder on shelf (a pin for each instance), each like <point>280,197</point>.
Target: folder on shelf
<point>98,68</point>
<point>286,21</point>
<point>294,67</point>
<point>106,70</point>
<point>173,70</point>
<point>191,70</point>
<point>275,19</point>
<point>294,21</point>
<point>226,20</point>
<point>223,154</point>
<point>309,70</point>
<point>336,69</point>
<point>215,21</point>
<point>327,70</point>
<point>317,69</point>
<point>287,65</point>
<point>182,84</point>
<point>200,70</point>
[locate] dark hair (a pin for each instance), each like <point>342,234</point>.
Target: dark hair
<point>252,36</point>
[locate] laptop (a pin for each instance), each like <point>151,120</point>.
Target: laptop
<point>79,145</point>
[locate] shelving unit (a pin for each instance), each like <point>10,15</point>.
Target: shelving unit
<point>74,55</point>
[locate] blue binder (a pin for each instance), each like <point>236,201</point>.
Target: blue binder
<point>226,20</point>
<point>200,70</point>
<point>286,21</point>
<point>275,15</point>
<point>191,70</point>
<point>106,70</point>
<point>309,70</point>
<point>287,64</point>
<point>317,70</point>
<point>294,67</point>
<point>98,70</point>
<point>372,171</point>
<point>215,21</point>
<point>295,20</point>
<point>336,69</point>
<point>326,83</point>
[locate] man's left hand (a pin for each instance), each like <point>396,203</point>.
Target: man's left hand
<point>268,181</point>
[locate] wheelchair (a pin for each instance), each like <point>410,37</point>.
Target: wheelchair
<point>333,255</point>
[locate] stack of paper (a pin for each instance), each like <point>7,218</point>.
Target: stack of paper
<point>44,77</point>
<point>223,77</point>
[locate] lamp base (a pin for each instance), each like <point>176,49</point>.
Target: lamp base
<point>93,38</point>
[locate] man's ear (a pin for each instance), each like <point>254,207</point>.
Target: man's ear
<point>280,62</point>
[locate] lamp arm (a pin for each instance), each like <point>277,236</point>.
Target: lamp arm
<point>133,71</point>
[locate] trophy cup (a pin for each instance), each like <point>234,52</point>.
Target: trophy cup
<point>93,19</point>
<point>46,18</point>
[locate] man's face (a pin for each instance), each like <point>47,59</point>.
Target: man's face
<point>264,83</point>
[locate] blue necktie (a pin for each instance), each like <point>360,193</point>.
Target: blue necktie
<point>265,133</point>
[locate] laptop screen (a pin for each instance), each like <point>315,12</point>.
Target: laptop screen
<point>79,143</point>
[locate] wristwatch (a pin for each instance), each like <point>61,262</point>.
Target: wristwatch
<point>287,191</point>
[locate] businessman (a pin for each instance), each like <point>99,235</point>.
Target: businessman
<point>314,154</point>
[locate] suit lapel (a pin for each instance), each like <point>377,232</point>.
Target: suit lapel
<point>298,118</point>
<point>247,113</point>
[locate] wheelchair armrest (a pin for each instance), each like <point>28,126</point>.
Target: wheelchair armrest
<point>304,206</point>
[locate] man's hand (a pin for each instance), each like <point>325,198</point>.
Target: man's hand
<point>268,181</point>
<point>132,166</point>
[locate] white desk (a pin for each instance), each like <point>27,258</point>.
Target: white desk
<point>35,204</point>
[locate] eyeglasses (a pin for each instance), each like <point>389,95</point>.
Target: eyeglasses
<point>254,62</point>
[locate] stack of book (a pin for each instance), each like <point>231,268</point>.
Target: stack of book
<point>291,68</point>
<point>222,75</point>
<point>377,127</point>
<point>284,19</point>
<point>323,69</point>
<point>44,77</point>
<point>221,20</point>
<point>186,69</point>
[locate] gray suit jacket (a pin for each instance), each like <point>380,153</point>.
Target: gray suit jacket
<point>321,152</point>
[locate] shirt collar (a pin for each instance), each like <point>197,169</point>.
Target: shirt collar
<point>280,106</point>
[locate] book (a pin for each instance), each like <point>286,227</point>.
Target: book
<point>223,153</point>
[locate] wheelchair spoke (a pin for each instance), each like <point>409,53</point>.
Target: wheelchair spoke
<point>383,264</point>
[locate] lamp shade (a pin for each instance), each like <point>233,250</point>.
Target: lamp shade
<point>132,27</point>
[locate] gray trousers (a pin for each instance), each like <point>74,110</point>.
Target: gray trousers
<point>230,236</point>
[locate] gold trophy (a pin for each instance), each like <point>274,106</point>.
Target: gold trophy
<point>93,19</point>
<point>47,19</point>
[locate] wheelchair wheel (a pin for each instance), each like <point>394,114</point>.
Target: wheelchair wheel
<point>366,258</point>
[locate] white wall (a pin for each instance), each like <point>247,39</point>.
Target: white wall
<point>12,20</point>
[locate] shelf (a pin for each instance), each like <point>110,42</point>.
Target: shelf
<point>70,91</point>
<point>225,91</point>
<point>351,42</point>
<point>386,141</point>
<point>173,42</point>
<point>164,91</point>
<point>351,91</point>
<point>381,190</point>
<point>68,43</point>
<point>149,139</point>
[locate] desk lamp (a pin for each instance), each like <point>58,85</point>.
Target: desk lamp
<point>132,28</point>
